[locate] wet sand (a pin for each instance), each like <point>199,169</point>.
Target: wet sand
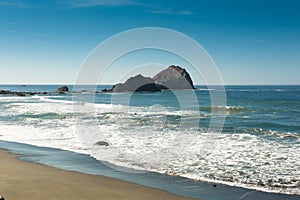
<point>25,180</point>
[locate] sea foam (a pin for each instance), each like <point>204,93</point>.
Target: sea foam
<point>155,138</point>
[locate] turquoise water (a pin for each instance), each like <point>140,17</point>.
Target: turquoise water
<point>167,132</point>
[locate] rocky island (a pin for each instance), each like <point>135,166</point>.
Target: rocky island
<point>138,83</point>
<point>60,90</point>
<point>174,77</point>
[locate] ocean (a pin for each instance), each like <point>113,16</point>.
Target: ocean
<point>258,147</point>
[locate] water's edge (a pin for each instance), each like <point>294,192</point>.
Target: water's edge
<point>83,163</point>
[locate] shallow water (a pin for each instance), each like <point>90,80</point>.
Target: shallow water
<point>180,186</point>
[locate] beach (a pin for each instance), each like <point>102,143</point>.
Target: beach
<point>25,180</point>
<point>136,99</point>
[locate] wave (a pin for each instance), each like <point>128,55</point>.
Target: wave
<point>226,109</point>
<point>13,98</point>
<point>152,138</point>
<point>206,89</point>
<point>234,108</point>
<point>49,99</point>
<point>285,136</point>
<point>240,166</point>
<point>49,115</point>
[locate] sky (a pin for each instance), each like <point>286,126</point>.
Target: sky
<point>250,41</point>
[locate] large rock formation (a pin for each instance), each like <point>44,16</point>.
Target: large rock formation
<point>137,83</point>
<point>174,77</point>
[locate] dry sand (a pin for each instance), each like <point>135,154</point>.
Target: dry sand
<point>20,180</point>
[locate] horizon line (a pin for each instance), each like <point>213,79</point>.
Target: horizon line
<point>25,84</point>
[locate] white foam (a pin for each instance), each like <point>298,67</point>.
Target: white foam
<point>48,99</point>
<point>60,137</point>
<point>14,98</point>
<point>204,89</point>
<point>143,138</point>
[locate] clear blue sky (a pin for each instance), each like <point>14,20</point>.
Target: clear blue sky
<point>251,41</point>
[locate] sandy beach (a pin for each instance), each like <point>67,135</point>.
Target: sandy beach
<point>25,180</point>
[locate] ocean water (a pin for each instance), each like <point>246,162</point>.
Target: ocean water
<point>167,132</point>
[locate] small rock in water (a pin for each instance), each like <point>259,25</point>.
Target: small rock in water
<point>4,92</point>
<point>62,90</point>
<point>101,143</point>
<point>20,94</point>
<point>260,183</point>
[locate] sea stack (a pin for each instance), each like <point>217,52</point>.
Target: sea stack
<point>174,77</point>
<point>137,83</point>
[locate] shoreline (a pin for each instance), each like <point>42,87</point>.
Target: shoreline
<point>83,164</point>
<point>25,180</point>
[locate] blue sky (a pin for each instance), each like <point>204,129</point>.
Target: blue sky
<point>251,42</point>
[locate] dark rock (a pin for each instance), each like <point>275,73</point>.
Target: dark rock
<point>101,143</point>
<point>174,77</point>
<point>20,94</point>
<point>107,90</point>
<point>137,83</point>
<point>4,92</point>
<point>62,90</point>
<point>260,183</point>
